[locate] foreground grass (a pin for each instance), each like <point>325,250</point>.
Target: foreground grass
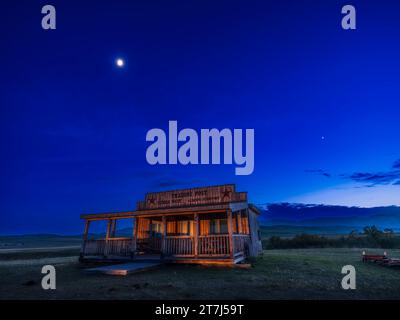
<point>278,274</point>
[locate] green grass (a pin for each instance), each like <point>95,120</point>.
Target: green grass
<point>278,274</point>
<point>286,231</point>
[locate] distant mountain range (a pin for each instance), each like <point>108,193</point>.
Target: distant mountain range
<point>291,214</point>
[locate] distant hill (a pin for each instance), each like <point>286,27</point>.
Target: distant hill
<point>283,219</point>
<point>39,240</point>
<point>290,214</point>
<point>287,231</point>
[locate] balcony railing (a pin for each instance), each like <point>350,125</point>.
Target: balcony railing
<point>236,197</point>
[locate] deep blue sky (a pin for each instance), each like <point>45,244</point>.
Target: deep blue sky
<point>73,125</point>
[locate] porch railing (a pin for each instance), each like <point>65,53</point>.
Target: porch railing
<point>241,243</point>
<point>110,247</point>
<point>214,245</point>
<point>152,245</point>
<point>179,245</point>
<point>119,247</point>
<point>208,245</point>
<point>94,247</point>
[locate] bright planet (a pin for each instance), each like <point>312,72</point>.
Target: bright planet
<point>120,62</point>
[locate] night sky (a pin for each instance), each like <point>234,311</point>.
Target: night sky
<point>324,102</point>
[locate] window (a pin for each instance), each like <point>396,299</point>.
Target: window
<point>218,226</point>
<point>179,228</point>
<point>183,227</point>
<point>156,229</point>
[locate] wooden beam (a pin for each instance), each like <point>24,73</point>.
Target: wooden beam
<point>134,231</point>
<point>239,221</point>
<point>157,212</point>
<point>229,216</point>
<point>113,227</point>
<point>85,233</point>
<point>164,234</point>
<point>107,237</point>
<point>196,234</point>
<point>85,236</point>
<point>248,222</point>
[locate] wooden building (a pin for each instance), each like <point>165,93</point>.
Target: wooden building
<point>200,225</point>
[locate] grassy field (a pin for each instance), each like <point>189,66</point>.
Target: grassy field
<point>278,274</point>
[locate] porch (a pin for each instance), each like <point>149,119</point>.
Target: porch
<point>208,235</point>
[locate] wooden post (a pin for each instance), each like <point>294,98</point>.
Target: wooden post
<point>196,234</point>
<point>107,237</point>
<point>133,248</point>
<point>85,235</point>
<point>249,231</point>
<point>239,221</point>
<point>113,227</point>
<point>164,235</point>
<point>137,222</point>
<point>229,216</point>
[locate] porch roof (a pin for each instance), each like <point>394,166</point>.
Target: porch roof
<point>157,212</point>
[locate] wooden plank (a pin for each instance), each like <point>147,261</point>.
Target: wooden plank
<point>125,268</point>
<point>191,197</point>
<point>113,227</point>
<point>106,245</point>
<point>85,236</point>
<point>157,212</point>
<point>239,221</point>
<point>229,213</point>
<point>164,234</point>
<point>134,232</point>
<point>196,234</point>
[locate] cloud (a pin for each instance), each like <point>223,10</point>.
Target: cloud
<point>319,171</point>
<point>370,179</point>
<point>376,178</point>
<point>350,195</point>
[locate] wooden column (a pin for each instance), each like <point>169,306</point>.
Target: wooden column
<point>137,231</point>
<point>239,221</point>
<point>248,222</point>
<point>164,235</point>
<point>133,248</point>
<point>85,236</point>
<point>113,227</point>
<point>196,234</point>
<point>229,216</point>
<point>107,237</point>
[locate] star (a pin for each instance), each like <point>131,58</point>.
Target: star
<point>226,193</point>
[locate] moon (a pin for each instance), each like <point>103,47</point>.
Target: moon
<point>120,62</point>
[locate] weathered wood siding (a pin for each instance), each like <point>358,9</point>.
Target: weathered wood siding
<point>255,248</point>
